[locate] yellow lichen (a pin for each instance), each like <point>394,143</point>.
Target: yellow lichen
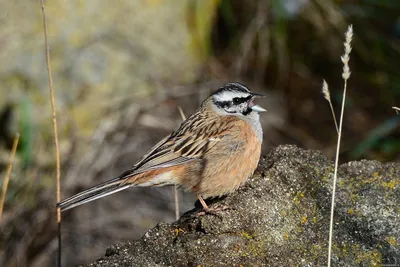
<point>391,185</point>
<point>178,230</point>
<point>371,258</point>
<point>286,235</point>
<point>246,235</point>
<point>392,240</point>
<point>297,198</point>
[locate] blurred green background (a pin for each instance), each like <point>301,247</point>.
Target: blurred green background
<point>122,68</point>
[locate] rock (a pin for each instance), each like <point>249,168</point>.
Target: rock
<point>281,218</point>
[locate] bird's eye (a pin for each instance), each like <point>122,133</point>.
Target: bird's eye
<point>236,100</point>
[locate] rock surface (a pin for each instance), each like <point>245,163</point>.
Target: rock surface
<point>281,218</point>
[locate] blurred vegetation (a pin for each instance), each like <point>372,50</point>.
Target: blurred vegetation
<point>152,54</point>
<point>298,43</point>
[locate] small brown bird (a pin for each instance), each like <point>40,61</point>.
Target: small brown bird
<point>211,153</point>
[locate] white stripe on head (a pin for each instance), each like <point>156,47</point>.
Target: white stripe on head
<point>229,95</point>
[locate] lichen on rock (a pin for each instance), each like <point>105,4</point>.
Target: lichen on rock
<point>281,218</point>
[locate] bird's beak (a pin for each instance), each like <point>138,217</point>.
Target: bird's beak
<point>257,108</point>
<point>257,95</point>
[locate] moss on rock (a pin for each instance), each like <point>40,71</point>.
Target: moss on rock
<point>281,218</point>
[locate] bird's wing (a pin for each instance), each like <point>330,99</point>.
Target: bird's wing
<point>173,151</point>
<point>188,143</point>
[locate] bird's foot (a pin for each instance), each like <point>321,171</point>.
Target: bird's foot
<point>213,210</point>
<point>207,210</point>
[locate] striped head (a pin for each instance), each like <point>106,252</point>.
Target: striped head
<point>235,99</point>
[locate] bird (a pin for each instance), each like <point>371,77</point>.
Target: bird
<point>212,153</point>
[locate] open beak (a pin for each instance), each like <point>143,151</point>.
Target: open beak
<point>257,108</point>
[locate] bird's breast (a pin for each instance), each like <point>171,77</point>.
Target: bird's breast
<point>231,162</point>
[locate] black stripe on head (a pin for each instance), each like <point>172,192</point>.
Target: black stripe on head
<point>223,104</point>
<point>240,100</point>
<point>247,111</point>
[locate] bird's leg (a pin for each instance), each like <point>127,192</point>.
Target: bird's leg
<point>207,209</point>
<point>203,203</point>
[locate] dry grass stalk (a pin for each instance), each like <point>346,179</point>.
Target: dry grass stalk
<point>8,173</point>
<point>345,75</point>
<point>182,114</point>
<point>55,128</point>
<point>175,187</point>
<point>327,95</point>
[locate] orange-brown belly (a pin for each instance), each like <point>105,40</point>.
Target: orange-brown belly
<point>230,165</point>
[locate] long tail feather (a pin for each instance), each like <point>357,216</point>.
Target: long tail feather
<point>93,193</point>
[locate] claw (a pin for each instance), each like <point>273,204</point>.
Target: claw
<point>208,210</point>
<point>213,211</point>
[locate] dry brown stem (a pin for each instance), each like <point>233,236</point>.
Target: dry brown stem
<point>8,173</point>
<point>55,128</point>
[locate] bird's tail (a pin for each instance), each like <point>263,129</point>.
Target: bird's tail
<point>93,193</point>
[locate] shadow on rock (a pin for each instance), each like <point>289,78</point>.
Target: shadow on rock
<point>281,218</point>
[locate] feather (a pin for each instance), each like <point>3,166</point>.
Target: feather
<point>195,136</point>
<point>95,192</point>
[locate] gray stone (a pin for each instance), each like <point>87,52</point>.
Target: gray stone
<point>281,218</point>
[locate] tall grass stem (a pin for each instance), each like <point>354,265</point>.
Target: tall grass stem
<point>8,173</point>
<point>55,129</point>
<point>345,75</point>
<point>176,198</point>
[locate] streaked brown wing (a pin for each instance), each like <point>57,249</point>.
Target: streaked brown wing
<point>196,135</point>
<point>171,152</point>
<point>174,150</point>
